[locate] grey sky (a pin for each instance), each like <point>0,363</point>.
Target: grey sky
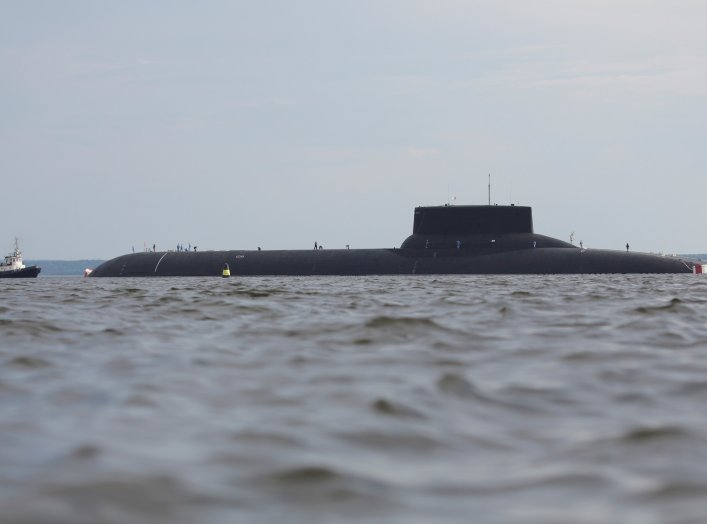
<point>233,125</point>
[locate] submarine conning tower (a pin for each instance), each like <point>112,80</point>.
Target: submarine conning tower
<point>445,226</point>
<point>472,220</point>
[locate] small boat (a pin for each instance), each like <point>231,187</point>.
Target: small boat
<point>13,267</point>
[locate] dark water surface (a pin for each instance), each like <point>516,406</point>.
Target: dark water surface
<point>499,399</point>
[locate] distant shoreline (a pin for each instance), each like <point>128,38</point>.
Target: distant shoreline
<point>63,267</point>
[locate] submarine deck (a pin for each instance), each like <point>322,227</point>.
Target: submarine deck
<point>492,260</point>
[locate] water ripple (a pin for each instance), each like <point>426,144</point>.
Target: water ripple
<point>524,399</point>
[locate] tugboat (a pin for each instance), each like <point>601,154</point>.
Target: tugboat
<point>13,267</point>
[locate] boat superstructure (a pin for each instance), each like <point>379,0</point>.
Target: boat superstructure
<point>13,266</point>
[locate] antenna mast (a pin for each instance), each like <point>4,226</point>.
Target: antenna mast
<point>489,188</point>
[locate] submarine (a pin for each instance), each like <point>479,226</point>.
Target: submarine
<point>448,239</point>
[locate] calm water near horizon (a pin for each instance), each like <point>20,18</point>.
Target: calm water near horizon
<point>455,399</point>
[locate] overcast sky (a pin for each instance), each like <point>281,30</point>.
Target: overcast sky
<point>232,125</point>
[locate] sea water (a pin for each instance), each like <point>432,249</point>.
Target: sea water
<point>486,399</point>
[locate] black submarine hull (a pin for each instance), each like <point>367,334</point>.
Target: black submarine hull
<point>444,240</point>
<point>354,262</point>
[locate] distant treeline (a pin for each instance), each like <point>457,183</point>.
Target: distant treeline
<point>63,267</point>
